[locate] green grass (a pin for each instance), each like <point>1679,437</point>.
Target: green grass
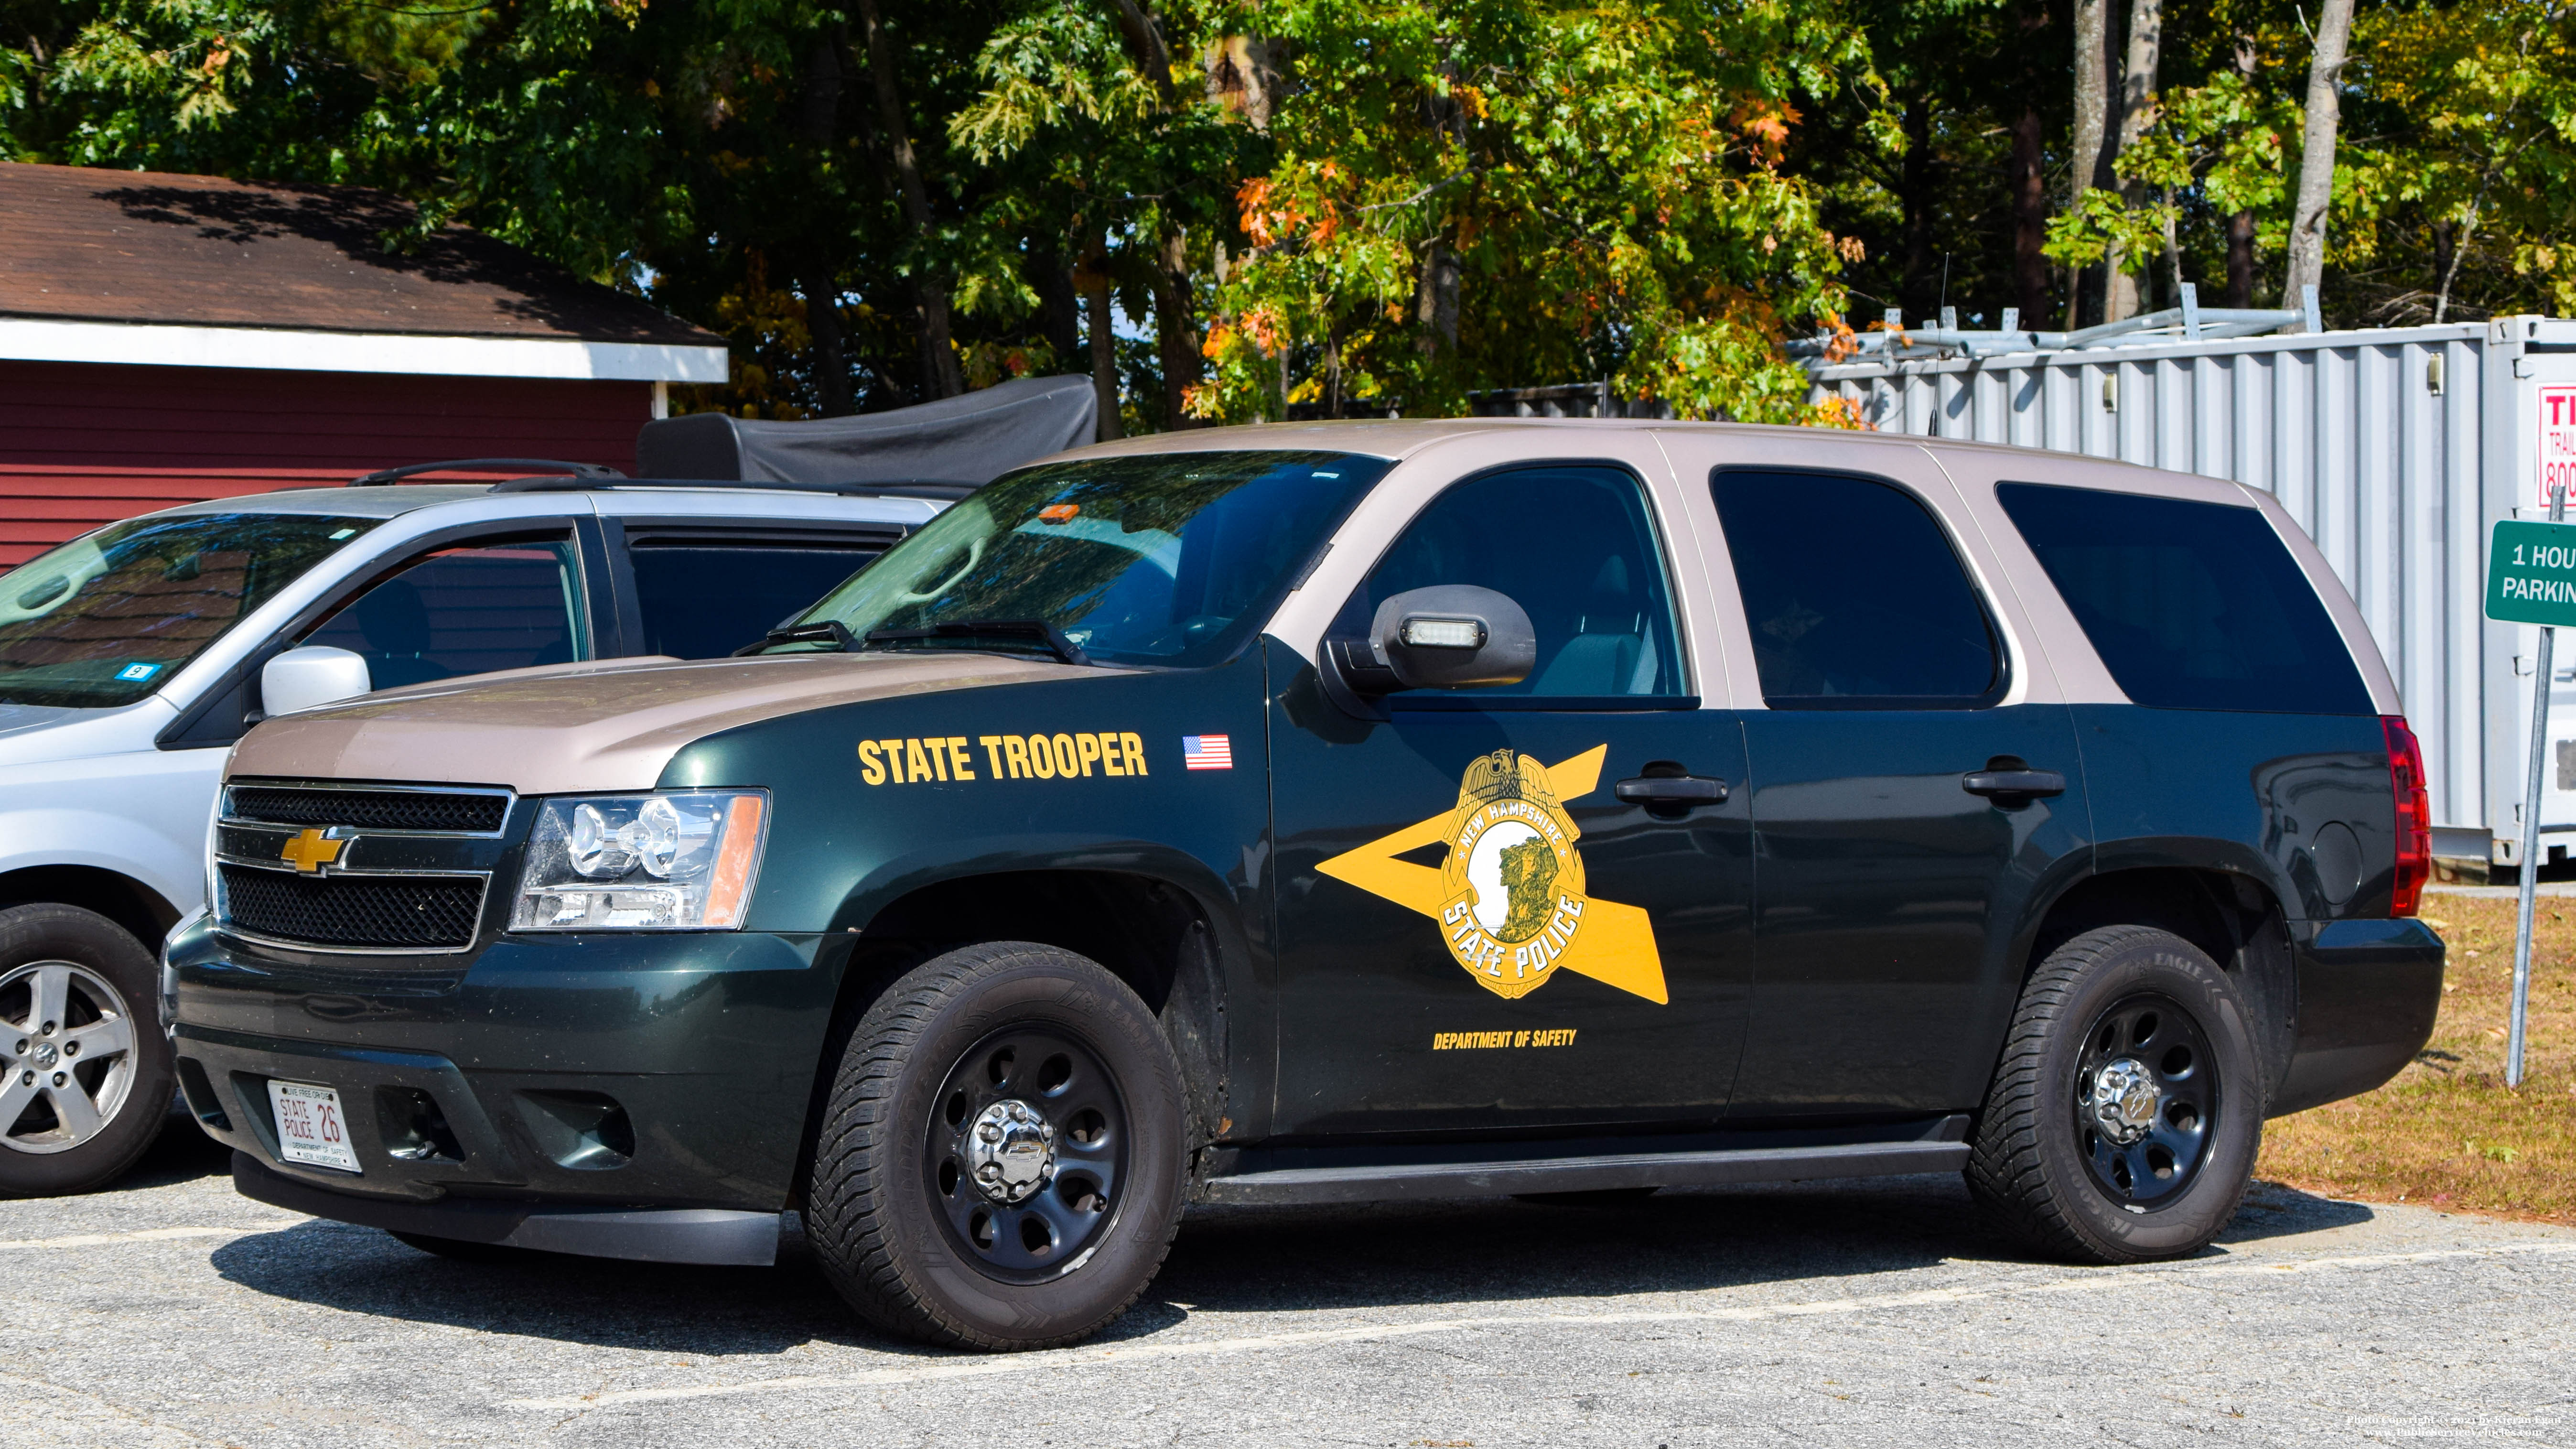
<point>2447,1132</point>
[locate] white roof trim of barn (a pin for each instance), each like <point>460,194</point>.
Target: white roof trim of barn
<point>27,339</point>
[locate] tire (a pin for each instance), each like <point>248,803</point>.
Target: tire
<point>89,1075</point>
<point>1048,1251</point>
<point>463,1251</point>
<point>2120,1024</point>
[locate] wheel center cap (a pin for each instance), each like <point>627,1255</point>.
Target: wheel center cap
<point>2124,1098</point>
<point>1011,1151</point>
<point>46,1056</point>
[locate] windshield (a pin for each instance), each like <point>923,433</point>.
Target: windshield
<point>1168,559</point>
<point>107,618</point>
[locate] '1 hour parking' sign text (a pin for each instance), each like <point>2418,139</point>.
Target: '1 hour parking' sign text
<point>2531,573</point>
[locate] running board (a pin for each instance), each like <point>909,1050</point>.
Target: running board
<point>1936,1146</point>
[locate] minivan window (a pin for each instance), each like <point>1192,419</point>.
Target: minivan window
<point>2191,605</point>
<point>700,599</point>
<point>1167,559</point>
<point>468,609</point>
<point>1854,595</point>
<point>109,617</point>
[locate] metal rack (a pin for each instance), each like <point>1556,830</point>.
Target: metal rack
<point>2189,322</point>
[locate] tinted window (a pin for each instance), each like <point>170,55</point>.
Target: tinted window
<point>1575,548</point>
<point>1170,558</point>
<point>2191,605</point>
<point>466,611</point>
<point>703,601</point>
<point>108,618</point>
<point>1854,595</point>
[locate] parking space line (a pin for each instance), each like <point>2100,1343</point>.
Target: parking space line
<point>1024,1363</point>
<point>146,1235</point>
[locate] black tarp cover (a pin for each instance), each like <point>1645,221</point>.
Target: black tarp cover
<point>974,438</point>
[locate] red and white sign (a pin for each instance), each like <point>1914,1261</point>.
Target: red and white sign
<point>2557,457</point>
<point>310,1129</point>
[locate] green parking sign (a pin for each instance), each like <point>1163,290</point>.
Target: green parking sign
<point>2531,573</point>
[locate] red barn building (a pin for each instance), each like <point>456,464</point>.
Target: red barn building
<point>169,338</point>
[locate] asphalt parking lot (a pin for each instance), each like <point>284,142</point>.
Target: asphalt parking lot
<point>172,1312</point>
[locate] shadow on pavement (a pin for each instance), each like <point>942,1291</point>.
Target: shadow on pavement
<point>1227,1260</point>
<point>182,1153</point>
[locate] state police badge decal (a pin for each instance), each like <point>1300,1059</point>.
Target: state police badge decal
<point>1510,897</point>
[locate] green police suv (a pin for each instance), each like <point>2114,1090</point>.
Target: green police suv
<point>1318,814</point>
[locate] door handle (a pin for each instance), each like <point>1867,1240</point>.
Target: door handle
<point>1681,790</point>
<point>2023,784</point>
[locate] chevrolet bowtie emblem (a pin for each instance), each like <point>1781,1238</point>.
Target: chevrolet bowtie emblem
<point>311,851</point>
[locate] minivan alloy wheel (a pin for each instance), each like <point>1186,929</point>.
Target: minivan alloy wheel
<point>67,1040</point>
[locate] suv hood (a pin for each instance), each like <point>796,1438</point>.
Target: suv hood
<point>592,727</point>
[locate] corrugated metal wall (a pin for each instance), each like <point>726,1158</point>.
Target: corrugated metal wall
<point>2373,440</point>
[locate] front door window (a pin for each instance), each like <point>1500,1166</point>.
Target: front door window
<point>469,609</point>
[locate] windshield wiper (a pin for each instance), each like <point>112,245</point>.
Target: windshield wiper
<point>822,631</point>
<point>974,632</point>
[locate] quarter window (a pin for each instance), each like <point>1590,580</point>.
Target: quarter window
<point>1855,597</point>
<point>2191,605</point>
<point>1575,547</point>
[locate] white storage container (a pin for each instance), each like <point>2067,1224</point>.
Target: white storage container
<point>2394,448</point>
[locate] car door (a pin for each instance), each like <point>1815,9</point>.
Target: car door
<point>1915,780</point>
<point>702,588</point>
<point>1473,930</point>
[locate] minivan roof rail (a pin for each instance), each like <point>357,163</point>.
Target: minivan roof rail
<point>942,491</point>
<point>383,476</point>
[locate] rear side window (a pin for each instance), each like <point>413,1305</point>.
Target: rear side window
<point>702,600</point>
<point>2191,605</point>
<point>1854,595</point>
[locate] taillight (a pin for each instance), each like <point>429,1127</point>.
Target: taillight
<point>2414,815</point>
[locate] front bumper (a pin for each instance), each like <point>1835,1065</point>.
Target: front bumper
<point>649,1235</point>
<point>540,1077</point>
<point>2368,993</point>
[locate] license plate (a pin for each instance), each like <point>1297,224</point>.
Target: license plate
<point>310,1128</point>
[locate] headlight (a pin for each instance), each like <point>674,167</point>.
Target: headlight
<point>680,861</point>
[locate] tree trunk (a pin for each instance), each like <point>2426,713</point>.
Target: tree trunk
<point>2307,261</point>
<point>941,374</point>
<point>1916,194</point>
<point>1059,310</point>
<point>832,392</point>
<point>2030,217</point>
<point>2240,259</point>
<point>820,283</point>
<point>1093,278</point>
<point>1435,301</point>
<point>1176,327</point>
<point>2137,112</point>
<point>2090,162</point>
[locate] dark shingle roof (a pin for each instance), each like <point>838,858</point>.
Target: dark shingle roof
<point>82,244</point>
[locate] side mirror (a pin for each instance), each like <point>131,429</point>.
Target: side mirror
<point>310,677</point>
<point>1449,636</point>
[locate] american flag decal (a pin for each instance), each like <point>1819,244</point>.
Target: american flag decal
<point>1207,752</point>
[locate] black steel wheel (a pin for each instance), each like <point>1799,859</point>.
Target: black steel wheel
<point>2124,1117</point>
<point>1001,1159</point>
<point>1027,1152</point>
<point>2146,1090</point>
